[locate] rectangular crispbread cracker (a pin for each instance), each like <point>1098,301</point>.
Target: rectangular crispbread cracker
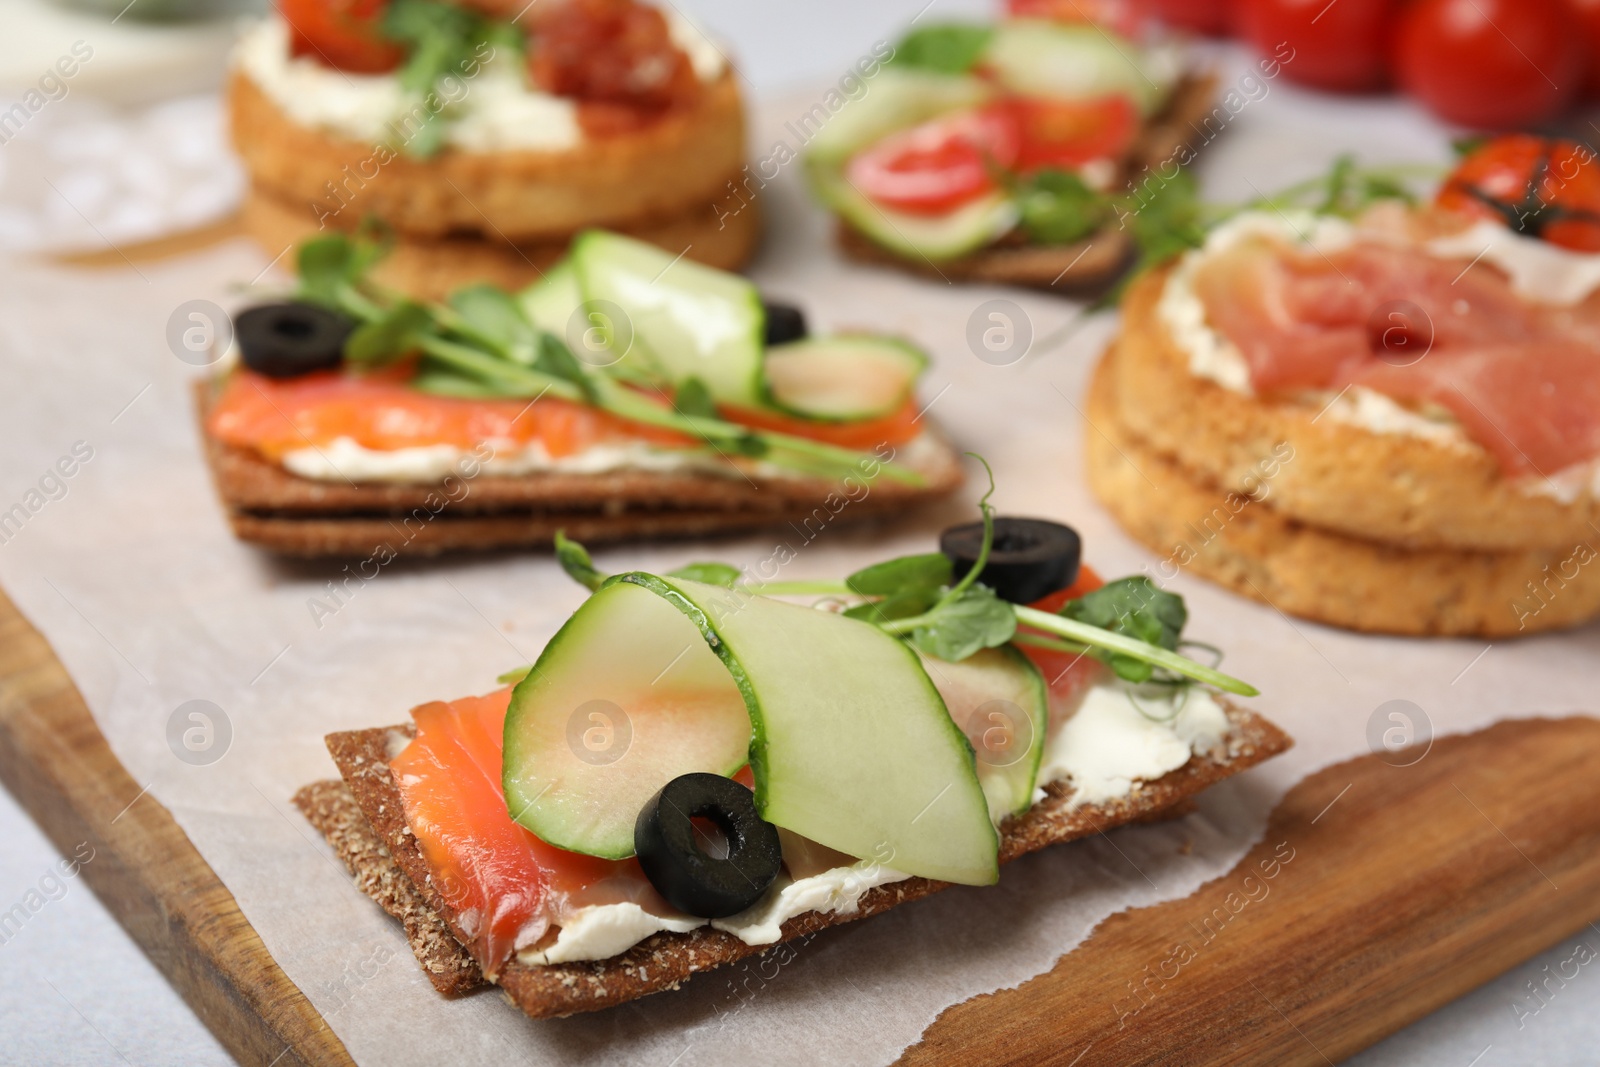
<point>269,506</point>
<point>385,858</point>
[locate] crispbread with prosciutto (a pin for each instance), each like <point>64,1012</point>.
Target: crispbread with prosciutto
<point>1406,490</point>
<point>1249,545</point>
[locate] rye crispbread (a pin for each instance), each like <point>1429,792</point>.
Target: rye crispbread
<point>1391,487</point>
<point>387,855</point>
<point>1250,546</point>
<point>1084,265</point>
<point>269,506</point>
<point>515,195</point>
<point>433,268</point>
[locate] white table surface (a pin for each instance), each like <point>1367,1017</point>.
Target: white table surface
<point>75,989</point>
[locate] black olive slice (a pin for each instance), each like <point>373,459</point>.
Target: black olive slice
<point>785,323</point>
<point>1030,558</point>
<point>288,340</point>
<point>686,875</point>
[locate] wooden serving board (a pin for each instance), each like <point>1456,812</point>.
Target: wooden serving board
<point>1391,892</point>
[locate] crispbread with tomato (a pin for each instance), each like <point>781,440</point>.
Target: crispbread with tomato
<point>1011,152</point>
<point>696,771</point>
<point>489,133</point>
<point>1385,417</point>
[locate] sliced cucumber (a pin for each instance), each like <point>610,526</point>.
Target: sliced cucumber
<point>1036,57</point>
<point>1001,702</point>
<point>949,236</point>
<point>851,745</point>
<point>896,97</point>
<point>690,321</point>
<point>625,698</point>
<point>550,301</point>
<point>850,377</point>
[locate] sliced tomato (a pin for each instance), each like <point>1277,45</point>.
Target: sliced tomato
<point>1068,673</point>
<point>343,34</point>
<point>864,436</point>
<point>936,167</point>
<point>1068,134</point>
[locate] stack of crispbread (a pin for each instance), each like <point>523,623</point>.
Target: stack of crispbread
<point>1321,518</point>
<point>500,217</point>
<point>363,818</point>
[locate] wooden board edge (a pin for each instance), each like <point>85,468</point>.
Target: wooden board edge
<point>1516,804</point>
<point>145,870</point>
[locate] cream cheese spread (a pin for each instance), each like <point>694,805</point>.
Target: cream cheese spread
<point>344,460</point>
<point>489,109</point>
<point>1117,737</point>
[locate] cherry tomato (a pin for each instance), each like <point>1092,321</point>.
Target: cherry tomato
<point>1060,133</point>
<point>343,34</point>
<point>1588,15</point>
<point>1490,63</point>
<point>1535,185</point>
<point>1213,17</point>
<point>1341,45</point>
<point>938,166</point>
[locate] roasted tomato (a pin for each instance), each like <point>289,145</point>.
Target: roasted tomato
<point>938,166</point>
<point>1492,64</point>
<point>614,57</point>
<point>344,34</point>
<point>1535,185</point>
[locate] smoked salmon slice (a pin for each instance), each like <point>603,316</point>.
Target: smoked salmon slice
<point>508,888</point>
<point>383,413</point>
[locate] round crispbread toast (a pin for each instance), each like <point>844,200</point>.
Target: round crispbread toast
<point>663,171</point>
<point>431,269</point>
<point>1246,544</point>
<point>1407,490</point>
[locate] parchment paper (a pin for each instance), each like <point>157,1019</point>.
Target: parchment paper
<point>127,567</point>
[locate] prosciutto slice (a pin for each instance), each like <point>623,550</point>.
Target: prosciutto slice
<point>1522,378</point>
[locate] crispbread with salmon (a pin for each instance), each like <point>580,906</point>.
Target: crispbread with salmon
<point>269,506</point>
<point>1250,545</point>
<point>364,821</point>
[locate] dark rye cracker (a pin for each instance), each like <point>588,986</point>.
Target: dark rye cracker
<point>387,855</point>
<point>269,506</point>
<point>1084,265</point>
